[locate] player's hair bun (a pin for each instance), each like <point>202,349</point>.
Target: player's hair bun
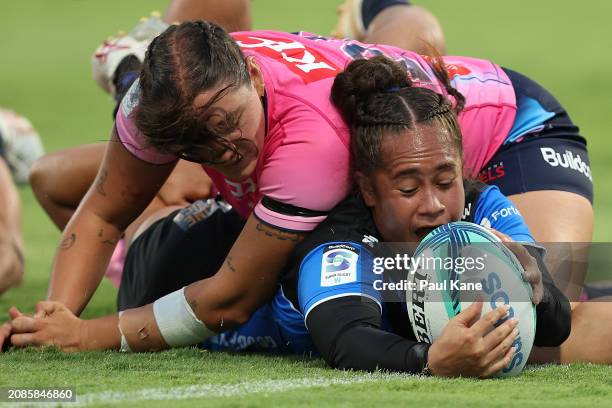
<point>363,80</point>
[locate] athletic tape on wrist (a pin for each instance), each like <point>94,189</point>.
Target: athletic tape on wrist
<point>125,346</point>
<point>177,323</point>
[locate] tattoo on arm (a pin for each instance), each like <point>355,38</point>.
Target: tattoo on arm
<point>278,234</point>
<point>100,182</point>
<point>108,241</point>
<point>229,262</point>
<point>67,243</point>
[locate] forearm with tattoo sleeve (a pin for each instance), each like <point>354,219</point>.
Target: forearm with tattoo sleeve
<point>123,188</point>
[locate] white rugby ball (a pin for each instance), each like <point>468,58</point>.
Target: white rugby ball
<point>446,282</point>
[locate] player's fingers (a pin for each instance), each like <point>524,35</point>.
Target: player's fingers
<point>25,324</point>
<point>537,293</point>
<point>45,308</point>
<point>5,334</point>
<point>501,333</point>
<point>521,253</point>
<point>499,351</point>
<point>489,320</point>
<point>471,313</point>
<point>5,329</point>
<point>532,276</point>
<point>532,273</point>
<point>502,237</point>
<point>25,339</point>
<point>14,313</point>
<point>499,365</point>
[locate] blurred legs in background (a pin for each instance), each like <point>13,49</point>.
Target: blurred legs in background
<point>392,22</point>
<point>20,146</point>
<point>11,245</point>
<point>232,15</point>
<point>116,62</point>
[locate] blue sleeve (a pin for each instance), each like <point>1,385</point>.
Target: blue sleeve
<point>496,211</point>
<point>335,270</point>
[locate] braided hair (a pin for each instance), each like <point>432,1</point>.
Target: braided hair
<point>377,98</point>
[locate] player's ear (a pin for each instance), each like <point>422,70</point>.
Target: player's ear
<point>256,75</point>
<point>366,188</point>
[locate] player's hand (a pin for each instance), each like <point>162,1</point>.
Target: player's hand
<point>5,334</point>
<point>531,271</point>
<point>53,324</point>
<point>6,329</point>
<point>186,184</point>
<point>471,346</point>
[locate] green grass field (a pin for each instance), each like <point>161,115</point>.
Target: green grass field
<point>45,74</point>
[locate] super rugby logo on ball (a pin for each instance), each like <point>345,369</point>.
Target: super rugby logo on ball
<point>432,302</point>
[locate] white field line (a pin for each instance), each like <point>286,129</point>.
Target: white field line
<point>224,390</point>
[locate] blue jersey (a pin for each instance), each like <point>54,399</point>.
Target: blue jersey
<point>335,261</point>
<point>278,327</point>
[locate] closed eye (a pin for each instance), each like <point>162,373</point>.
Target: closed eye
<point>446,183</point>
<point>230,123</point>
<point>408,191</point>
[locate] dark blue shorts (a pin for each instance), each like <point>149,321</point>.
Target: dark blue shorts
<point>544,150</point>
<point>371,8</point>
<point>188,245</point>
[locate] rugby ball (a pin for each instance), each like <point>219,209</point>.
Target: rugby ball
<point>456,264</point>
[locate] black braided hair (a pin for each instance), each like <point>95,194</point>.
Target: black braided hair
<point>376,98</point>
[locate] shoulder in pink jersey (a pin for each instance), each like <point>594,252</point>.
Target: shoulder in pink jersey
<point>129,135</point>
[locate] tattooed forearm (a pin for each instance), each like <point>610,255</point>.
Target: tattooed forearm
<point>229,263</point>
<point>278,234</point>
<point>101,181</point>
<point>67,243</point>
<point>108,241</point>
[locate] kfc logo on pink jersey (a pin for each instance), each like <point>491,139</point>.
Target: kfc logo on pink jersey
<point>307,63</point>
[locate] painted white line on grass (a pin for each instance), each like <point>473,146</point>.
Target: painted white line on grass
<point>229,390</point>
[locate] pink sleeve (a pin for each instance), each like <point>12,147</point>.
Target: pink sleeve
<point>308,173</point>
<point>131,138</point>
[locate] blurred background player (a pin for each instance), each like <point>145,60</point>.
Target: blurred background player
<point>392,22</point>
<point>21,144</point>
<point>11,245</point>
<point>20,147</point>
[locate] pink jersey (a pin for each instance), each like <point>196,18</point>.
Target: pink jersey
<point>304,170</point>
